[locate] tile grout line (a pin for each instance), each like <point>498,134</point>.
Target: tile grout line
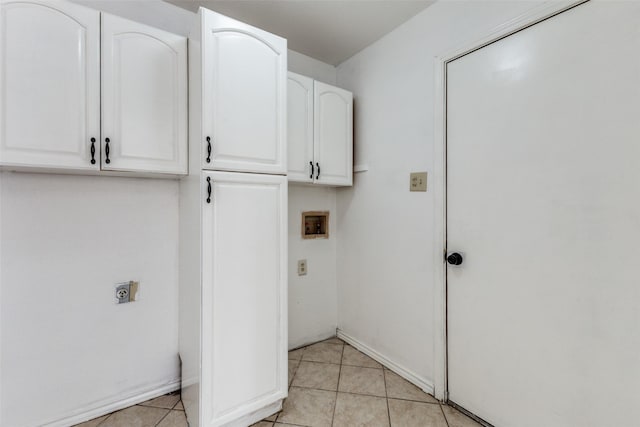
<point>295,371</point>
<point>290,381</point>
<point>297,425</point>
<point>444,415</point>
<point>317,361</point>
<point>161,419</point>
<point>105,420</point>
<point>413,400</point>
<point>386,398</point>
<point>364,394</point>
<point>151,406</point>
<point>319,342</point>
<point>335,405</point>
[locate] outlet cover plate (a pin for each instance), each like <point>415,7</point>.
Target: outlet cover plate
<point>302,267</point>
<point>126,292</point>
<point>122,292</point>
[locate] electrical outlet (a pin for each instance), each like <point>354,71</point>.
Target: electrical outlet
<point>126,292</point>
<point>122,293</point>
<point>302,267</point>
<point>418,181</point>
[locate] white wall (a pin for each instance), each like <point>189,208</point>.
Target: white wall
<point>67,352</point>
<point>385,251</point>
<point>313,306</point>
<point>66,347</point>
<point>310,67</point>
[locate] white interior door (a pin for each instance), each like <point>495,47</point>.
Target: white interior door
<point>543,190</point>
<point>300,128</point>
<point>244,97</point>
<point>49,84</point>
<point>333,135</point>
<point>244,310</point>
<point>144,98</point>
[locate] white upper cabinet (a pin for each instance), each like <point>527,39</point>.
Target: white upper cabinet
<point>333,135</point>
<point>244,77</point>
<point>59,107</point>
<point>144,98</point>
<point>320,124</point>
<point>300,128</point>
<point>49,85</point>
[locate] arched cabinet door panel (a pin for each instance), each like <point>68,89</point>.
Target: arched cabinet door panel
<point>49,85</point>
<point>333,134</point>
<point>244,77</point>
<point>144,98</point>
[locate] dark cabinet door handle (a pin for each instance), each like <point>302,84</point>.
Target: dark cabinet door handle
<point>93,151</point>
<point>208,189</point>
<point>208,149</point>
<point>318,174</point>
<point>311,176</point>
<point>106,150</point>
<point>455,259</point>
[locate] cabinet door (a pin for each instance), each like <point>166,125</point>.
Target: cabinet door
<point>333,135</point>
<point>49,84</point>
<point>300,128</point>
<point>144,98</point>
<point>244,322</point>
<point>244,97</point>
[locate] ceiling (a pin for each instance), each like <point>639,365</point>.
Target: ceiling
<point>328,30</point>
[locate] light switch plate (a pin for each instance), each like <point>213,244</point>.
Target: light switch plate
<point>302,267</point>
<point>418,181</point>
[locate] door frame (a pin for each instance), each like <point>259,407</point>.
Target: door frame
<point>534,16</point>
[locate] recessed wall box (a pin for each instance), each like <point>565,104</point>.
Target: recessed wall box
<point>315,225</point>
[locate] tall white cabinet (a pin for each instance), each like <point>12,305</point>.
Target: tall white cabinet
<point>233,226</point>
<point>320,138</point>
<point>244,367</point>
<point>85,91</point>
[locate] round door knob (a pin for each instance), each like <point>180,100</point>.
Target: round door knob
<point>454,259</point>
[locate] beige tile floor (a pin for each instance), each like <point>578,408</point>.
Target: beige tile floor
<point>333,384</point>
<point>330,384</point>
<point>163,411</point>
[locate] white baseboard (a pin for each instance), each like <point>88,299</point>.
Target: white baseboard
<point>116,403</point>
<point>405,373</point>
